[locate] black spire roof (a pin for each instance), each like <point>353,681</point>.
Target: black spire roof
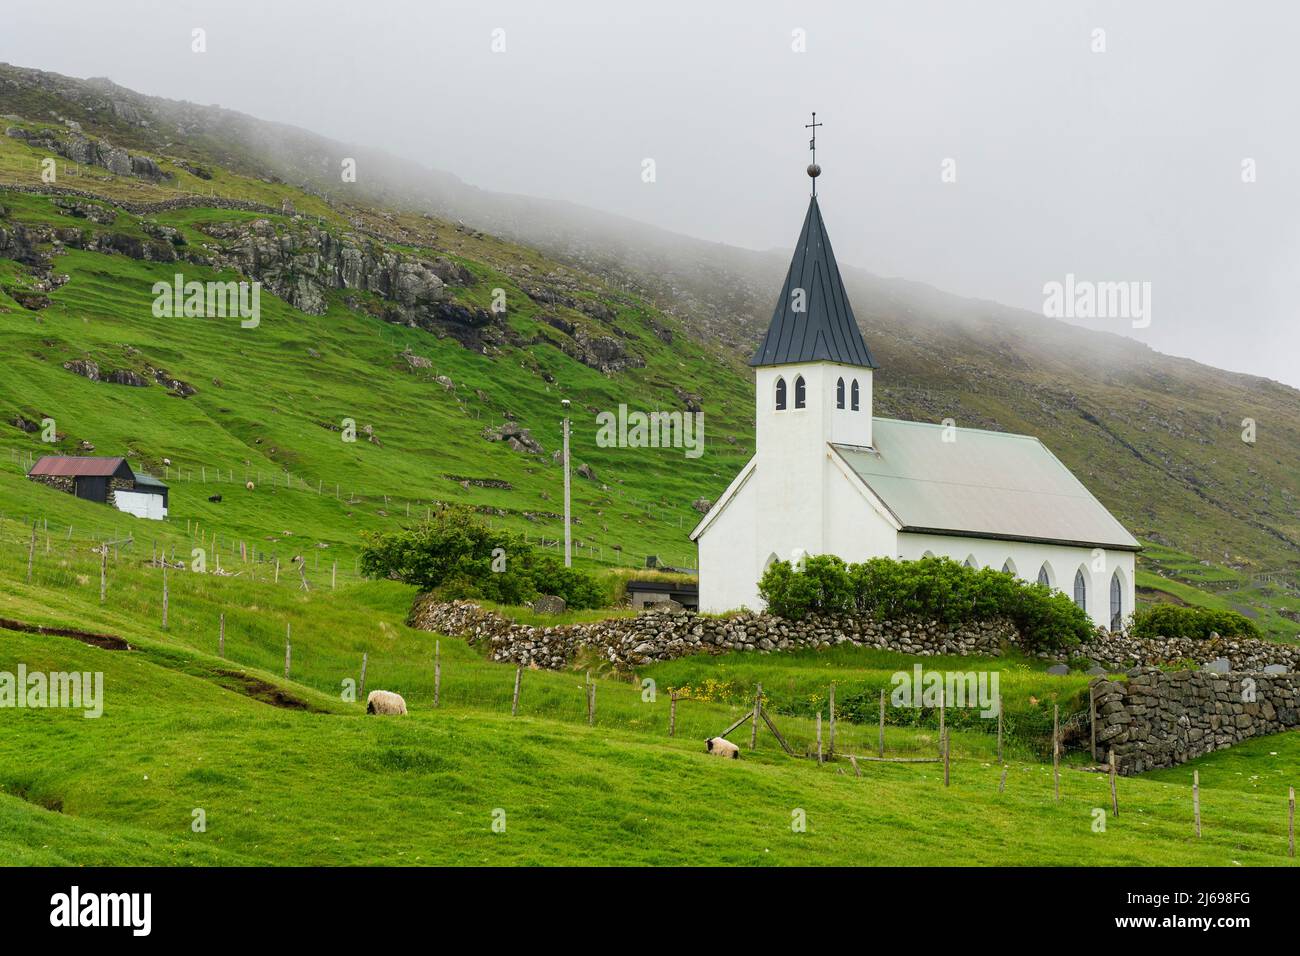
<point>826,331</point>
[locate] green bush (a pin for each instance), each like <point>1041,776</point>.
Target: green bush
<point>1172,620</point>
<point>937,589</point>
<point>456,555</point>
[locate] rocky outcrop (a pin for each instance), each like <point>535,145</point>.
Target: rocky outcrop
<point>79,148</point>
<point>520,439</point>
<point>1154,718</point>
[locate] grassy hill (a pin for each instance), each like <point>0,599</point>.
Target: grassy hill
<point>318,782</point>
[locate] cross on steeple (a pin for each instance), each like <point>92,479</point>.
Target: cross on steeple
<point>813,169</point>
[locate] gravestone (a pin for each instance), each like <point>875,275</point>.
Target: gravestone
<point>1220,665</point>
<point>1276,669</point>
<point>1059,670</point>
<point>549,604</point>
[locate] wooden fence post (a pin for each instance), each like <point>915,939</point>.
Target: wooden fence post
<point>854,760</point>
<point>1290,822</point>
<point>672,713</point>
<point>831,707</point>
<point>947,748</point>
<point>164,620</point>
<point>334,574</point>
<point>364,660</point>
<point>819,737</point>
<point>943,704</point>
<point>882,722</point>
<point>277,569</point>
<point>288,650</point>
<point>31,553</point>
<point>1114,793</point>
<point>221,636</point>
<point>1056,749</point>
<point>514,701</point>
<point>103,574</point>
<point>758,707</point>
<point>1196,799</point>
<point>437,672</point>
<point>1002,784</point>
<point>591,704</point>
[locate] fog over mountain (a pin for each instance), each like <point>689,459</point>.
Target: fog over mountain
<point>1117,166</point>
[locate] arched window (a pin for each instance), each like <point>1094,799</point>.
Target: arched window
<point>780,394</point>
<point>971,562</point>
<point>928,554</point>
<point>839,394</point>
<point>1116,602</point>
<point>1009,567</point>
<point>1080,590</point>
<point>853,395</point>
<point>800,393</point>
<point>1044,576</point>
<point>771,560</point>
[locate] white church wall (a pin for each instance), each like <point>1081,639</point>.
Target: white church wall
<point>1026,559</point>
<point>729,560</point>
<point>855,530</point>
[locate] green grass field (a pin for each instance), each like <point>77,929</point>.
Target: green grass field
<point>325,784</point>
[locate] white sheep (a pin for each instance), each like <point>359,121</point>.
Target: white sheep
<point>722,747</point>
<point>385,702</point>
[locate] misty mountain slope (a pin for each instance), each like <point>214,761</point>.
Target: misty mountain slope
<point>1157,438</point>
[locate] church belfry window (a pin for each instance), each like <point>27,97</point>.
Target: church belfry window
<point>800,393</point>
<point>780,394</point>
<point>853,396</point>
<point>839,394</point>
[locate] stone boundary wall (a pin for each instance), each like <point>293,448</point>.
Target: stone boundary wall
<point>664,635</point>
<point>1157,719</point>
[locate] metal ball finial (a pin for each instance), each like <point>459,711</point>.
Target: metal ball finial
<point>814,170</point>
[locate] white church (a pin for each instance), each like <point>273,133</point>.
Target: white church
<point>828,478</point>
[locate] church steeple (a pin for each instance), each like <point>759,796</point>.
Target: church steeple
<point>813,321</point>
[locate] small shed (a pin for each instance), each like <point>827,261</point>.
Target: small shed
<point>91,478</point>
<point>108,481</point>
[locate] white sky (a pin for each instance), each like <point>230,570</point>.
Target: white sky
<point>1115,166</point>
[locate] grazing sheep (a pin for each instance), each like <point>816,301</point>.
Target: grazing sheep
<point>721,747</point>
<point>385,702</point>
<point>248,485</point>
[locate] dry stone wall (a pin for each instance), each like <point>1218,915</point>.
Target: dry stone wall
<point>1157,719</point>
<point>663,635</point>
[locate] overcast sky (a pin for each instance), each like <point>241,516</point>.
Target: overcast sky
<point>1117,166</point>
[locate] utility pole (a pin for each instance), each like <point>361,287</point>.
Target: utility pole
<point>568,538</point>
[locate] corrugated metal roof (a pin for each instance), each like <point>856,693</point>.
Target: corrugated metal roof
<point>77,466</point>
<point>827,330</point>
<point>983,484</point>
<point>149,480</point>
